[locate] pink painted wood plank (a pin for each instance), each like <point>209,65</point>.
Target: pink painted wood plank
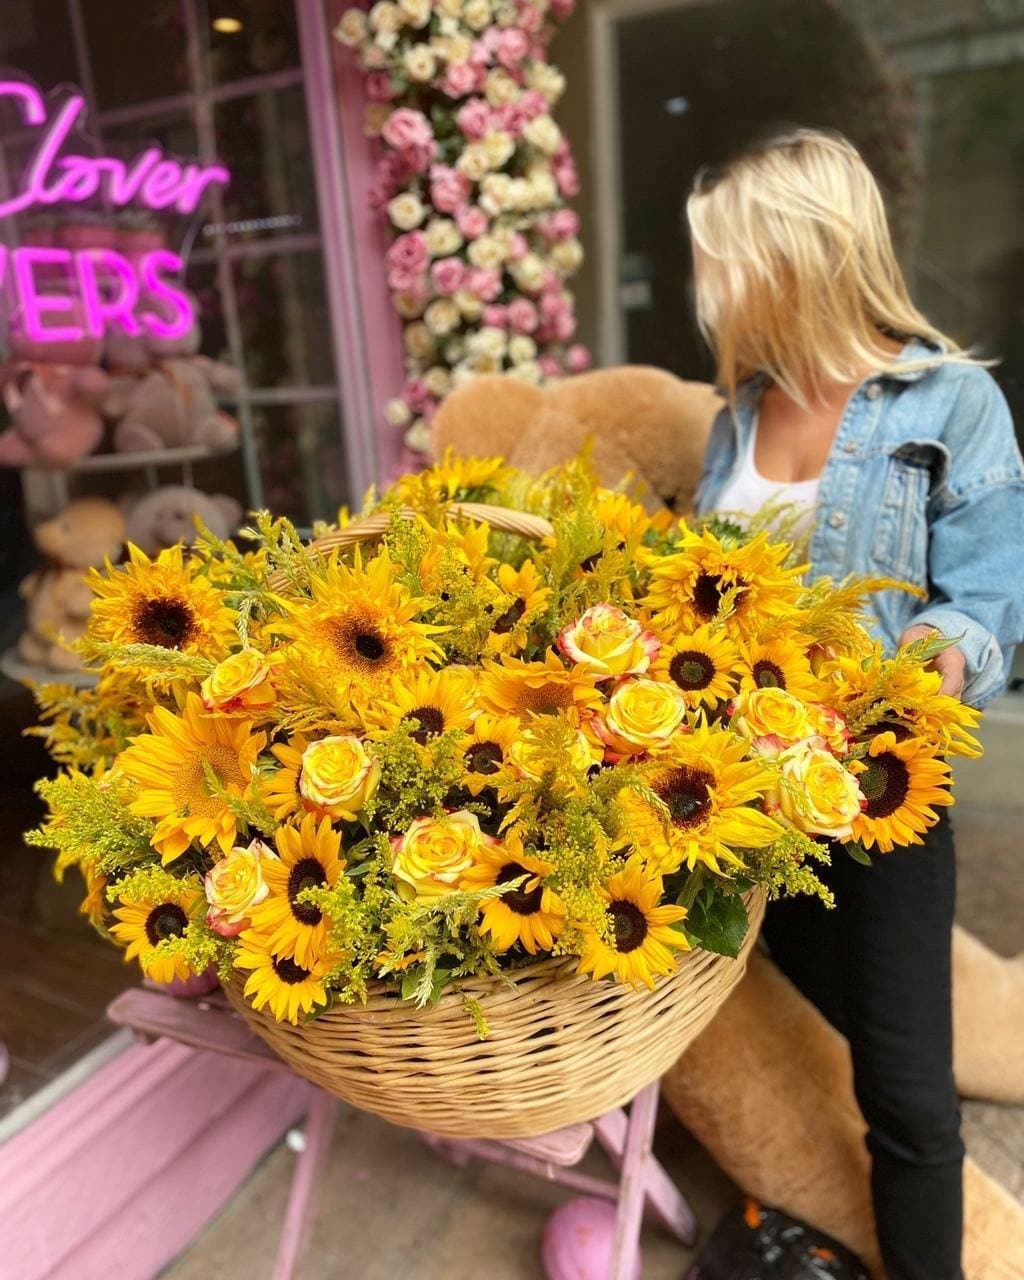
<point>209,1024</point>
<point>665,1202</point>
<point>643,1112</point>
<point>565,1146</point>
<point>320,1121</point>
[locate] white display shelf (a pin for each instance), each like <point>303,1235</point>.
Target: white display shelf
<point>100,463</point>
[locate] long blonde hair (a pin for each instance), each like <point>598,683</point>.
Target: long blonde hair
<point>797,277</point>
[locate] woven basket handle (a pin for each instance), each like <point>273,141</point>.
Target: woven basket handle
<point>370,528</point>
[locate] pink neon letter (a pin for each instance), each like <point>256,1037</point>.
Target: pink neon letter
<point>35,113</point>
<point>180,303</point>
<point>35,305</point>
<point>114,302</point>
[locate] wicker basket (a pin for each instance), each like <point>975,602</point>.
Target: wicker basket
<point>561,1048</point>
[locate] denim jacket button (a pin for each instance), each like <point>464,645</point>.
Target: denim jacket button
<point>874,391</point>
<point>837,519</point>
<point>850,446</point>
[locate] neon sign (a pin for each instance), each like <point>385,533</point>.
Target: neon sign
<point>99,287</point>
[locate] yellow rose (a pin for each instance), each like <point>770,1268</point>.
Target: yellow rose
<point>435,853</point>
<point>338,776</point>
<point>240,685</point>
<point>375,117</point>
<point>816,793</point>
<point>234,886</point>
<point>608,642</point>
<point>772,719</point>
<point>641,715</point>
<point>830,726</point>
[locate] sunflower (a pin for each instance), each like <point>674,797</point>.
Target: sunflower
<point>455,478</point>
<point>187,769</point>
<point>514,687</point>
<point>308,858</point>
<point>781,662</point>
<point>709,792</point>
<point>359,628</point>
<point>290,989</point>
<point>432,702</point>
<point>643,937</point>
<point>487,748</point>
<point>706,580</point>
<point>527,598</point>
<point>701,665</point>
<point>144,928</point>
<point>465,544</point>
<point>531,914</point>
<point>164,602</point>
<point>900,782</point>
<point>280,789</point>
<point>94,905</point>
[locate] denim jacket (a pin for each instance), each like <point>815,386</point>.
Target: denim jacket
<point>924,483</point>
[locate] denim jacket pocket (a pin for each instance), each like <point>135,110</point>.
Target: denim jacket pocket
<point>901,535</point>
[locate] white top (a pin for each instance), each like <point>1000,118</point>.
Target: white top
<point>746,492</point>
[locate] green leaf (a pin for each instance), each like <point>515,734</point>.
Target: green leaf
<point>858,853</point>
<point>717,922</point>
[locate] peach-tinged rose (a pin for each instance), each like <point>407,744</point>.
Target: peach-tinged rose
<point>772,719</point>
<point>234,885</point>
<point>338,776</point>
<point>641,715</point>
<point>435,853</point>
<point>830,726</point>
<point>241,684</point>
<point>816,793</point>
<point>609,643</point>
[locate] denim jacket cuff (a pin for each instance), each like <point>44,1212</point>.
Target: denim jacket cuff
<point>986,670</point>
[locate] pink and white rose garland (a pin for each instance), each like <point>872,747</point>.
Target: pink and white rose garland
<point>473,178</point>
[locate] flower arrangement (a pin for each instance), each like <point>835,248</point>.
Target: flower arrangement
<point>456,751</point>
<point>473,178</point>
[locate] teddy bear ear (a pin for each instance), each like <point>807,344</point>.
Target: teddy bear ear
<point>485,417</point>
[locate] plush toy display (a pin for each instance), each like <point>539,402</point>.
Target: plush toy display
<point>162,393</point>
<point>168,516</point>
<point>799,1146</point>
<point>53,392</point>
<point>87,532</point>
<point>638,421</point>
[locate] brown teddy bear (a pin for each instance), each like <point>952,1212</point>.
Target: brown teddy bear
<point>168,515</point>
<point>85,534</point>
<point>799,1146</point>
<point>638,421</point>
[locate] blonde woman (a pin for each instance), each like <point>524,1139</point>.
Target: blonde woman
<point>845,401</point>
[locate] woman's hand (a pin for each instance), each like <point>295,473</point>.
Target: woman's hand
<point>950,663</point>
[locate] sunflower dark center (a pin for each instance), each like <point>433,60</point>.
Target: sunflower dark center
<point>510,617</point>
<point>901,732</point>
<point>630,925</point>
<point>707,595</point>
<point>885,784</point>
<point>166,621</point>
<point>520,901</point>
<point>369,646</point>
<point>691,670</point>
<point>288,971</point>
<point>167,920</point>
<point>768,675</point>
<point>685,793</point>
<point>484,757</point>
<point>308,873</point>
<point>430,722</point>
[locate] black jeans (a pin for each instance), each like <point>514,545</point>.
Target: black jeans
<point>878,967</point>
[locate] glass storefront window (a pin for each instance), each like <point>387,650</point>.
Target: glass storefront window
<point>137,52</point>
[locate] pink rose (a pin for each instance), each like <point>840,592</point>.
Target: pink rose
<point>534,103</point>
<point>530,19</point>
<point>563,224</point>
<point>472,221</point>
<point>518,248</point>
<point>484,284</point>
<point>409,253</point>
<point>511,47</point>
<point>405,281</point>
<point>577,359</point>
<point>522,316</point>
<point>407,129</point>
<point>549,366</point>
<point>562,9</point>
<point>379,87</point>
<point>430,408</point>
<point>480,55</point>
<point>459,80</point>
<point>512,118</point>
<point>564,168</point>
<point>474,119</point>
<point>449,189</point>
<point>448,276</point>
<point>553,306</point>
<point>416,395</point>
<point>420,158</point>
<point>495,316</point>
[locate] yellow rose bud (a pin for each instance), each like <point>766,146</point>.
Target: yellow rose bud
<point>435,853</point>
<point>609,643</point>
<point>772,719</point>
<point>240,685</point>
<point>641,715</point>
<point>234,885</point>
<point>338,776</point>
<point>817,794</point>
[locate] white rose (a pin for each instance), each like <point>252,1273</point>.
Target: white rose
<point>567,256</point>
<point>528,272</point>
<point>419,341</point>
<point>500,89</point>
<point>351,30</point>
<point>443,237</point>
<point>451,46</point>
<point>420,63</point>
<point>385,16</point>
<point>386,40</point>
<point>441,317</point>
<point>488,342</point>
<point>499,148</point>
<point>408,305</point>
<point>486,252</point>
<point>543,133</point>
<point>522,349</point>
<point>546,79</point>
<point>374,59</point>
<point>469,305</point>
<point>397,413</point>
<point>543,188</point>
<point>521,195</point>
<point>484,364</point>
<point>495,193</point>
<point>473,162</point>
<point>454,350</point>
<point>449,8</point>
<point>406,211</point>
<point>417,12</point>
<point>529,371</point>
<point>438,380</point>
<point>418,437</point>
<point>476,14</point>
